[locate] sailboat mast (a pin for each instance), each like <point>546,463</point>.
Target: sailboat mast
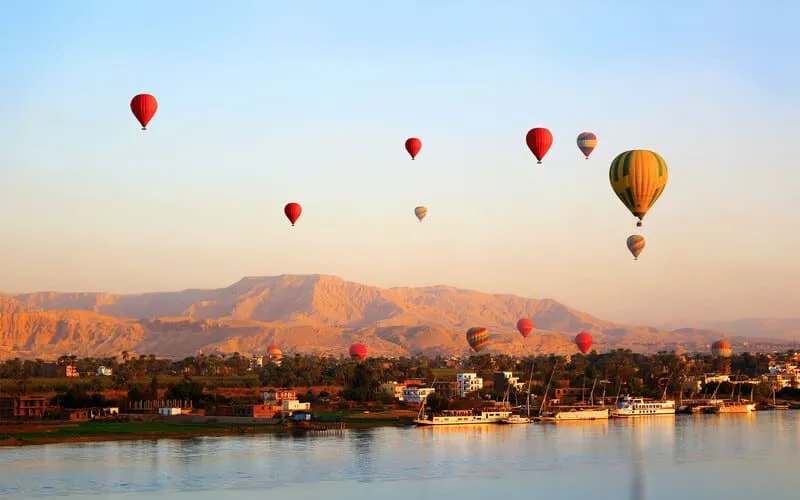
<point>547,389</point>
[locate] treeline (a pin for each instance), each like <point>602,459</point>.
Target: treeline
<point>192,377</point>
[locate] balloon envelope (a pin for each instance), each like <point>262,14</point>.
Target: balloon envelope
<point>525,326</point>
<point>358,352</point>
<point>420,212</point>
<point>478,338</point>
<point>144,107</point>
<point>584,341</point>
<point>587,141</point>
<point>292,211</point>
<point>721,349</point>
<point>413,146</point>
<point>638,178</point>
<point>635,244</point>
<point>539,141</point>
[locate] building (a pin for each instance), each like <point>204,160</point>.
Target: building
<point>76,414</point>
<point>277,395</point>
<point>503,380</point>
<point>417,394</point>
<point>448,389</point>
<point>256,362</point>
<point>468,383</point>
<point>103,371</point>
<point>284,399</point>
<point>715,379</point>
<point>22,407</point>
<point>71,371</point>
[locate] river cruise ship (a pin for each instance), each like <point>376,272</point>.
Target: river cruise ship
<point>466,417</point>
<point>639,407</point>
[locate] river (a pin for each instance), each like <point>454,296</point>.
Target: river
<point>709,457</point>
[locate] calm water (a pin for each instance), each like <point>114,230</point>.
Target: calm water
<point>709,457</point>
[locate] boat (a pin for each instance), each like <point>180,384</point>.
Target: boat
<point>576,412</point>
<point>519,419</point>
<point>733,407</point>
<point>516,419</point>
<point>777,406</point>
<point>641,407</point>
<point>466,417</point>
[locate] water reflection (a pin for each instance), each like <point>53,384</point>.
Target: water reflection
<point>637,459</point>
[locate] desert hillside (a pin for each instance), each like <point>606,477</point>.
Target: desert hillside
<point>312,314</point>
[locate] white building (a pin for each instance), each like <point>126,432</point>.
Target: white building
<point>417,394</point>
<point>290,405</point>
<point>468,383</point>
<point>103,371</point>
<point>256,362</point>
<point>715,379</point>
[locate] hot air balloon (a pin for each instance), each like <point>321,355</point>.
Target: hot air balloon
<point>358,352</point>
<point>635,245</point>
<point>584,341</point>
<point>539,141</point>
<point>420,212</point>
<point>721,349</point>
<point>144,107</point>
<point>638,177</point>
<point>478,338</point>
<point>413,145</point>
<point>587,141</point>
<point>275,354</point>
<point>525,326</point>
<point>292,211</point>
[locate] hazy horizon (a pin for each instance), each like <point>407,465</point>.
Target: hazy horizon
<point>263,104</point>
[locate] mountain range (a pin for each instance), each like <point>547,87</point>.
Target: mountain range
<point>325,314</point>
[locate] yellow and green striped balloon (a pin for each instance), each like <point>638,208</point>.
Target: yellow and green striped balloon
<point>478,338</point>
<point>638,177</point>
<point>635,245</point>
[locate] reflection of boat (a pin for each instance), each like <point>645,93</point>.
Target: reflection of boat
<point>563,413</point>
<point>640,407</point>
<point>466,417</point>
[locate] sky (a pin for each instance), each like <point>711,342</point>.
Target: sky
<point>263,103</point>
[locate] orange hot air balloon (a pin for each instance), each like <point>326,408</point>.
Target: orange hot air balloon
<point>358,352</point>
<point>144,107</point>
<point>413,146</point>
<point>584,341</point>
<point>275,354</point>
<point>539,141</point>
<point>292,211</point>
<point>525,326</point>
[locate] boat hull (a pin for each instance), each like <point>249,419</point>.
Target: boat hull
<point>575,415</point>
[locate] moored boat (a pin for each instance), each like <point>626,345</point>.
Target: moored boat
<point>466,417</point>
<point>640,407</point>
<point>733,407</point>
<point>571,413</point>
<point>516,419</point>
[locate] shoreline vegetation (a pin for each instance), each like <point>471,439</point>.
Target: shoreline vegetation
<point>42,432</point>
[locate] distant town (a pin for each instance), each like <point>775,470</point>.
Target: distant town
<point>275,390</point>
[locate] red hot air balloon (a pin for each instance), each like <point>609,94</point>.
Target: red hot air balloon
<point>292,211</point>
<point>358,352</point>
<point>413,146</point>
<point>144,107</point>
<point>525,326</point>
<point>721,349</point>
<point>584,341</point>
<point>539,141</point>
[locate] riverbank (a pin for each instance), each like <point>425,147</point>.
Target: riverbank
<point>35,433</point>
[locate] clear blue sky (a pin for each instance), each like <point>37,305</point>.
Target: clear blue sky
<point>265,102</point>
